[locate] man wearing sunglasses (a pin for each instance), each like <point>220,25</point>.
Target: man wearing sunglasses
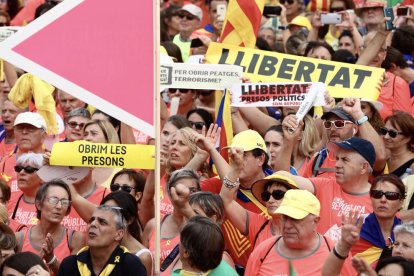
<point>342,123</point>
<point>104,255</point>
<point>300,250</point>
<point>349,191</point>
<point>190,19</point>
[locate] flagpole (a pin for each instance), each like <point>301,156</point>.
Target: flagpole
<point>157,120</point>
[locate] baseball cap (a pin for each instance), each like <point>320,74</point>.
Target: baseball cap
<point>298,204</point>
<point>34,119</point>
<point>338,111</point>
<point>301,21</point>
<point>370,4</point>
<point>193,9</point>
<point>359,145</point>
<point>248,140</point>
<point>258,186</point>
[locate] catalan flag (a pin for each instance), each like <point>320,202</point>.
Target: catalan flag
<point>223,120</point>
<point>242,22</point>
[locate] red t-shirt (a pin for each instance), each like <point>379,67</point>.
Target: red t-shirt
<point>327,169</point>
<point>335,203</point>
<point>166,206</point>
<point>255,222</point>
<point>25,212</point>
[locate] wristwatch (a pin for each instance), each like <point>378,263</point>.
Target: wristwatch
<point>362,120</point>
<point>283,28</point>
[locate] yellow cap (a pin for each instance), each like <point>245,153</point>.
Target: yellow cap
<point>248,140</point>
<point>301,21</point>
<point>258,186</point>
<point>298,204</point>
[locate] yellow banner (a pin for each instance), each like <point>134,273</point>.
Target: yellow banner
<point>342,79</point>
<point>85,154</point>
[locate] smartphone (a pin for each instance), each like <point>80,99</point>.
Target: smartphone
<point>271,11</point>
<point>221,11</point>
<point>403,11</point>
<point>388,12</point>
<point>331,18</point>
<point>196,42</point>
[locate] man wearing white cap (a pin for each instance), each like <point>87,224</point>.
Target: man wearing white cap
<point>30,133</point>
<point>190,20</point>
<point>301,250</point>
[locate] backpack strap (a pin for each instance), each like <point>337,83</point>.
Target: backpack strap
<point>327,243</point>
<point>270,248</point>
<point>260,230</point>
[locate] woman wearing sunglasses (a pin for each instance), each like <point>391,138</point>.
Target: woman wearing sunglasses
<point>132,238</point>
<point>198,118</point>
<point>398,136</point>
<point>76,120</point>
<point>187,99</point>
<point>376,237</point>
<point>49,238</point>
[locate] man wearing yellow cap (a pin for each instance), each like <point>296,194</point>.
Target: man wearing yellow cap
<point>300,250</point>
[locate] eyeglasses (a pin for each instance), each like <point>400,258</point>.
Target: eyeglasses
<point>189,17</point>
<point>276,194</point>
<point>181,90</point>
<point>124,187</point>
<point>337,9</point>
<point>336,123</point>
<point>197,125</point>
<point>27,169</point>
<point>392,133</point>
<point>377,194</point>
<point>290,2</point>
<point>63,201</point>
<point>74,125</point>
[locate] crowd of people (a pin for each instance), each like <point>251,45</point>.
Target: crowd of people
<point>329,194</point>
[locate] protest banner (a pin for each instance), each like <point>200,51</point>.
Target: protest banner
<point>199,76</point>
<point>271,94</point>
<point>342,79</point>
<point>85,154</point>
<point>6,32</point>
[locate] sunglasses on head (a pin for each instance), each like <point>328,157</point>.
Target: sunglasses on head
<point>181,90</point>
<point>392,133</point>
<point>75,125</point>
<point>27,169</point>
<point>276,194</point>
<point>336,123</point>
<point>377,194</point>
<point>197,125</point>
<point>124,187</point>
<point>290,2</point>
<point>189,17</point>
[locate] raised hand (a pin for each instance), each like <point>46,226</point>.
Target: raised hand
<point>180,195</point>
<point>46,251</point>
<point>353,107</point>
<point>351,227</point>
<point>236,156</point>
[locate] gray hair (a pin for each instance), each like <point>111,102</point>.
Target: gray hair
<point>32,159</point>
<point>80,112</point>
<point>407,227</point>
<point>183,174</point>
<point>119,217</point>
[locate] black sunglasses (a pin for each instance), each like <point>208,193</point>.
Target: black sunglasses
<point>189,17</point>
<point>197,125</point>
<point>392,133</point>
<point>181,90</point>
<point>124,187</point>
<point>290,2</point>
<point>27,169</point>
<point>276,194</point>
<point>74,125</point>
<point>377,194</point>
<point>338,9</point>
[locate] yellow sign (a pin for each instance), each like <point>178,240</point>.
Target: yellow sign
<point>342,79</point>
<point>85,154</point>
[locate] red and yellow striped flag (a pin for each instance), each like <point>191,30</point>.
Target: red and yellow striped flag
<point>242,22</point>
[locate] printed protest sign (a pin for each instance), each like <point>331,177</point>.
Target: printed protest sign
<point>271,94</point>
<point>199,76</point>
<point>85,154</point>
<point>342,79</point>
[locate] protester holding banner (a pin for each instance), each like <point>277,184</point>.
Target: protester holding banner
<point>49,238</point>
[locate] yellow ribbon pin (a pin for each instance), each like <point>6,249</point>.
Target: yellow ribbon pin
<point>117,259</point>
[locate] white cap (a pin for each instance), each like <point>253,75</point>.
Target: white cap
<point>68,174</point>
<point>34,119</point>
<point>194,10</point>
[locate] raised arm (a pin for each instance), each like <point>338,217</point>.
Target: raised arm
<point>257,119</point>
<point>83,206</point>
<point>147,207</point>
<point>234,211</point>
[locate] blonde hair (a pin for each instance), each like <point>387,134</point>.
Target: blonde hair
<point>310,139</point>
<point>108,130</point>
